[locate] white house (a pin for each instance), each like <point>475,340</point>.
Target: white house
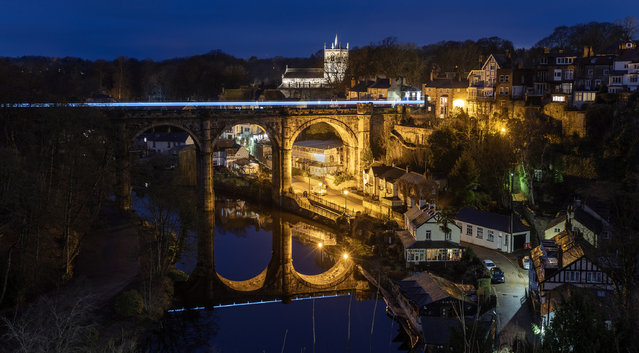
<point>556,226</point>
<point>163,142</point>
<point>242,153</point>
<point>492,230</point>
<point>424,240</point>
<point>625,70</point>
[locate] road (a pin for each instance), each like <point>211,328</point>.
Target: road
<point>301,184</point>
<point>513,318</point>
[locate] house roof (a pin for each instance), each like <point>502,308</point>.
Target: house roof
<point>406,238</point>
<point>304,73</point>
<point>628,55</point>
<point>423,217</point>
<point>319,144</point>
<point>413,178</point>
<point>389,173</point>
<point>556,220</point>
<point>424,288</point>
<point>491,220</point>
<point>565,247</point>
<point>501,59</point>
<point>361,86</point>
<point>381,83</point>
<point>588,220</point>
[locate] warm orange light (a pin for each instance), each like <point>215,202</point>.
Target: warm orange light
<point>319,245</point>
<point>345,256</point>
<point>345,192</point>
<point>459,103</point>
<point>503,129</point>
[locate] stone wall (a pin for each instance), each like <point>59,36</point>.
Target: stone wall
<point>572,122</point>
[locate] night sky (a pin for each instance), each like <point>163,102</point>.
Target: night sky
<point>160,29</point>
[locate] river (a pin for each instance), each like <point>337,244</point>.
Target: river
<point>243,248</point>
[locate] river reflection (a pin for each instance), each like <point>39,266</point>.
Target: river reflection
<point>243,248</point>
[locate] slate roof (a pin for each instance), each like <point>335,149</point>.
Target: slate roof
<point>361,86</point>
<point>406,238</point>
<point>491,220</point>
<point>565,247</point>
<point>387,172</point>
<point>304,73</point>
<point>413,178</point>
<point>423,217</point>
<point>588,220</point>
<point>381,83</point>
<point>628,55</point>
<point>556,221</point>
<point>424,288</point>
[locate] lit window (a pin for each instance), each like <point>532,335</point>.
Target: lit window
<point>558,98</point>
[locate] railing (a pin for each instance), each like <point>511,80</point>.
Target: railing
<point>305,204</point>
<point>332,205</point>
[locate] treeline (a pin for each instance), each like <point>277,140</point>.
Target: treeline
<point>56,167</point>
<point>203,77</point>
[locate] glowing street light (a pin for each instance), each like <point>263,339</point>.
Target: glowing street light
<point>319,245</point>
<point>345,193</point>
<point>345,256</point>
<point>459,103</point>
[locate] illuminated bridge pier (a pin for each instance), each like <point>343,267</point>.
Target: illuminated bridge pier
<point>278,282</point>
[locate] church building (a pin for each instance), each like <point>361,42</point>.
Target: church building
<point>315,83</point>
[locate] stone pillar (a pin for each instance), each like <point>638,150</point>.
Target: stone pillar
<point>282,172</point>
<point>123,170</point>
<point>206,200</point>
<point>281,266</point>
<point>363,139</point>
<point>287,169</point>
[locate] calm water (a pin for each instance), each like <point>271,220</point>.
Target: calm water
<point>243,250</point>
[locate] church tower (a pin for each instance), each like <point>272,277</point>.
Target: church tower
<point>335,62</point>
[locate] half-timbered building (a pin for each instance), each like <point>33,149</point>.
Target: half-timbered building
<point>564,261</point>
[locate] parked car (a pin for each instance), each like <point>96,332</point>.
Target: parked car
<point>489,264</point>
<point>318,190</point>
<point>497,275</point>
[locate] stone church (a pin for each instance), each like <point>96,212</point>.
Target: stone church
<point>316,83</point>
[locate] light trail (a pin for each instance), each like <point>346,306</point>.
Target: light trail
<point>219,105</point>
<point>256,303</point>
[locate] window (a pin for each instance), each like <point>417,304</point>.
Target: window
<point>506,78</point>
<point>491,236</point>
<point>448,235</point>
<point>593,277</point>
<point>480,232</point>
<point>428,235</point>
<point>506,90</point>
<point>590,72</point>
<point>568,74</point>
<point>633,79</point>
<point>606,72</point>
<point>558,98</point>
<point>557,230</point>
<point>587,84</point>
<point>557,75</point>
<point>501,78</point>
<point>597,83</point>
<point>469,230</point>
<point>572,276</point>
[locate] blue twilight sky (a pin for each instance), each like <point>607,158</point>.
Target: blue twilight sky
<point>163,29</point>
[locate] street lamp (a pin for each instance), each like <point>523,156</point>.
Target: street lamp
<point>345,256</point>
<point>345,193</point>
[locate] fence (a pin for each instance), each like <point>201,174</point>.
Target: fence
<point>332,205</point>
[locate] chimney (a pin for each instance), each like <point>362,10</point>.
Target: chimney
<point>586,51</point>
<point>432,74</point>
<point>353,82</point>
<point>546,50</point>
